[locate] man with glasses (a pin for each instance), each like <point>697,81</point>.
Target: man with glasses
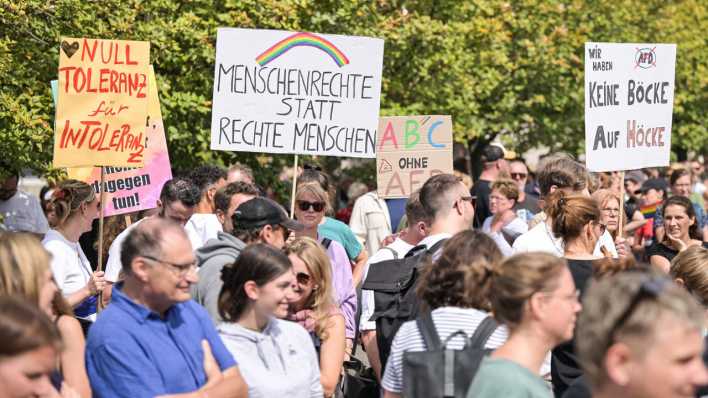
<point>526,206</point>
<point>247,219</point>
<point>640,335</point>
<point>153,340</point>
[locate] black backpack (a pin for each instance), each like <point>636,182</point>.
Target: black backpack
<point>395,302</point>
<point>439,372</point>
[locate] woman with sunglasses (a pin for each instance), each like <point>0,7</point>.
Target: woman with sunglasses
<point>681,232</point>
<point>310,204</point>
<point>578,221</point>
<point>75,205</point>
<point>25,273</point>
<point>534,295</point>
<point>504,226</point>
<point>312,306</point>
<point>276,357</point>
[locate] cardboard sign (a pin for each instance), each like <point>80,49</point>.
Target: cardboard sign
<point>102,103</point>
<point>629,97</point>
<point>134,189</point>
<point>294,92</point>
<point>409,150</point>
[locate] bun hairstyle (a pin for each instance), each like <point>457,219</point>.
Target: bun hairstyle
<point>518,278</point>
<point>68,198</point>
<point>690,266</point>
<point>461,276</point>
<point>570,213</point>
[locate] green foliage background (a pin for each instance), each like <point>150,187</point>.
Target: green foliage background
<point>509,68</point>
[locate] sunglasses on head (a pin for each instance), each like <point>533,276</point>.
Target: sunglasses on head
<point>303,278</point>
<point>304,205</point>
<point>650,289</point>
<point>518,176</point>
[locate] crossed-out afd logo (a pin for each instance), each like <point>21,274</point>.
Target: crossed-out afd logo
<point>645,58</point>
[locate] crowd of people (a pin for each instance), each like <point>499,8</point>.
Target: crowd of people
<point>558,283</point>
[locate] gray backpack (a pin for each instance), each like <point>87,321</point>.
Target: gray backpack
<point>440,372</point>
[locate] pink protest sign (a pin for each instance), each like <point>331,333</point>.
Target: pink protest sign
<point>130,189</point>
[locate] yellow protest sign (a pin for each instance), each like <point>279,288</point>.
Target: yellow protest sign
<point>102,103</point>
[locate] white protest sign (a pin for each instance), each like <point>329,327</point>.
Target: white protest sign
<point>629,96</point>
<point>293,92</point>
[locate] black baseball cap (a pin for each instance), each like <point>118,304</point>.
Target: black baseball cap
<point>658,184</point>
<point>259,212</point>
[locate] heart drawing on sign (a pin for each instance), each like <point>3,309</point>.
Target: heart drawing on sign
<point>69,49</point>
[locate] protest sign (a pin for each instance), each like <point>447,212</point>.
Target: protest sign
<point>102,103</point>
<point>410,149</point>
<point>133,189</point>
<point>629,95</point>
<point>298,93</point>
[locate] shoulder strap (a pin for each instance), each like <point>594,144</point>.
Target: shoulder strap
<point>437,246</point>
<point>326,242</point>
<point>427,330</point>
<point>484,330</point>
<point>395,253</point>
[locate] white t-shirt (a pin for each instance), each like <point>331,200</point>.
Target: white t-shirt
<point>540,238</point>
<point>401,247</point>
<point>23,213</point>
<point>202,227</point>
<point>70,267</point>
<point>113,264</point>
<point>515,228</point>
<point>447,320</point>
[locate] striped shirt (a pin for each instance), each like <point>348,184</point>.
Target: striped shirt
<point>447,320</point>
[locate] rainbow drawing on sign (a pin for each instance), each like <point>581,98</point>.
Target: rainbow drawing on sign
<point>302,39</point>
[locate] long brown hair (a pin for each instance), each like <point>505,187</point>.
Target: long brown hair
<point>259,263</point>
<point>23,265</point>
<point>461,276</point>
<point>318,264</point>
<point>24,327</point>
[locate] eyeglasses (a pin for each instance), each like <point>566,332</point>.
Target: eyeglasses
<point>649,289</point>
<point>611,211</point>
<point>465,199</point>
<point>303,278</point>
<point>496,197</point>
<point>305,205</point>
<point>518,176</point>
<point>178,269</point>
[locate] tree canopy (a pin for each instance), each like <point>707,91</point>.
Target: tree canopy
<point>509,69</point>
